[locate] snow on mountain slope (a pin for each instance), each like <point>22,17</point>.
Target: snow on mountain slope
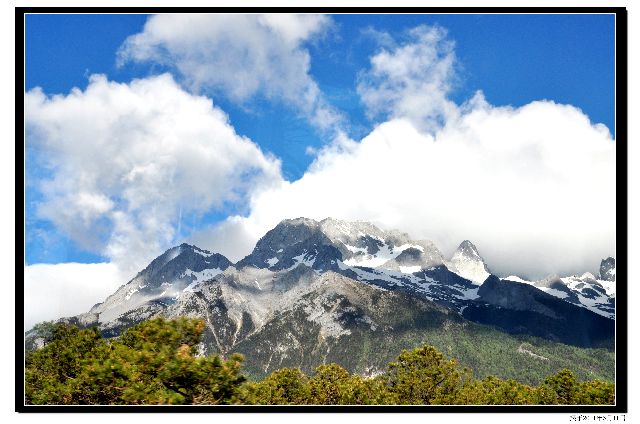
<point>362,251</point>
<point>302,258</point>
<point>517,279</point>
<point>585,290</point>
<point>327,241</point>
<point>179,268</point>
<point>204,275</point>
<point>596,295</point>
<point>387,260</point>
<point>359,250</point>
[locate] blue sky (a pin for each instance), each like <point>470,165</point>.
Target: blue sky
<point>512,59</point>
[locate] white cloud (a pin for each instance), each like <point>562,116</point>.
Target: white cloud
<point>63,290</point>
<point>127,159</point>
<point>533,187</point>
<point>412,80</point>
<point>239,55</point>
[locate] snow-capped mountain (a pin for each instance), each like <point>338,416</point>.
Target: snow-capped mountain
<point>596,295</point>
<point>179,269</point>
<point>322,244</point>
<point>467,263</point>
<point>331,280</point>
<point>586,291</point>
<point>519,308</point>
<point>363,252</point>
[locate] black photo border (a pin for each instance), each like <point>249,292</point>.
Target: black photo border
<point>621,131</point>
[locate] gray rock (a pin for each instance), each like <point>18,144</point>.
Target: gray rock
<point>608,269</point>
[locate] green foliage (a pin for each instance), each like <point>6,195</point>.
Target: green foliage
<point>48,370</point>
<point>489,352</point>
<point>287,386</point>
<point>597,392</point>
<point>333,385</point>
<point>330,385</point>
<point>494,391</point>
<point>425,377</point>
<point>157,362</point>
<point>485,350</point>
<point>152,363</point>
<point>563,388</point>
<point>44,330</point>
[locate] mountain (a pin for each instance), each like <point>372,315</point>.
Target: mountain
<point>363,252</point>
<point>363,328</point>
<point>317,291</point>
<point>177,270</point>
<point>596,295</point>
<point>608,269</point>
<point>321,245</point>
<point>521,308</point>
<point>467,263</point>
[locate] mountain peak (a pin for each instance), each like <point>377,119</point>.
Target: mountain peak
<point>164,278</point>
<point>467,263</point>
<point>301,221</point>
<point>291,242</point>
<point>323,245</point>
<point>608,269</point>
<point>468,249</point>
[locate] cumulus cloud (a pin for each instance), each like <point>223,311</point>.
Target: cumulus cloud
<point>126,160</point>
<point>533,187</point>
<point>48,289</point>
<point>412,79</point>
<point>239,55</point>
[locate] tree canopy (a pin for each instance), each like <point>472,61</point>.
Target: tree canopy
<point>158,362</point>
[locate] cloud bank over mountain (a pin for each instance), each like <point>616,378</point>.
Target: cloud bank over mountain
<point>533,187</point>
<point>52,291</point>
<point>121,164</point>
<point>126,161</point>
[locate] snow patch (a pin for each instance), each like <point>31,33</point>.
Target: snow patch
<point>131,293</point>
<point>354,249</point>
<point>517,279</point>
<point>201,276</point>
<point>554,292</point>
<point>410,269</point>
<point>386,253</point>
<point>303,258</point>
<point>201,252</point>
<point>472,270</point>
<point>470,294</point>
<point>272,261</point>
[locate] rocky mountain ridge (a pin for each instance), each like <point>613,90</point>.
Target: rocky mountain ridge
<point>327,284</point>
